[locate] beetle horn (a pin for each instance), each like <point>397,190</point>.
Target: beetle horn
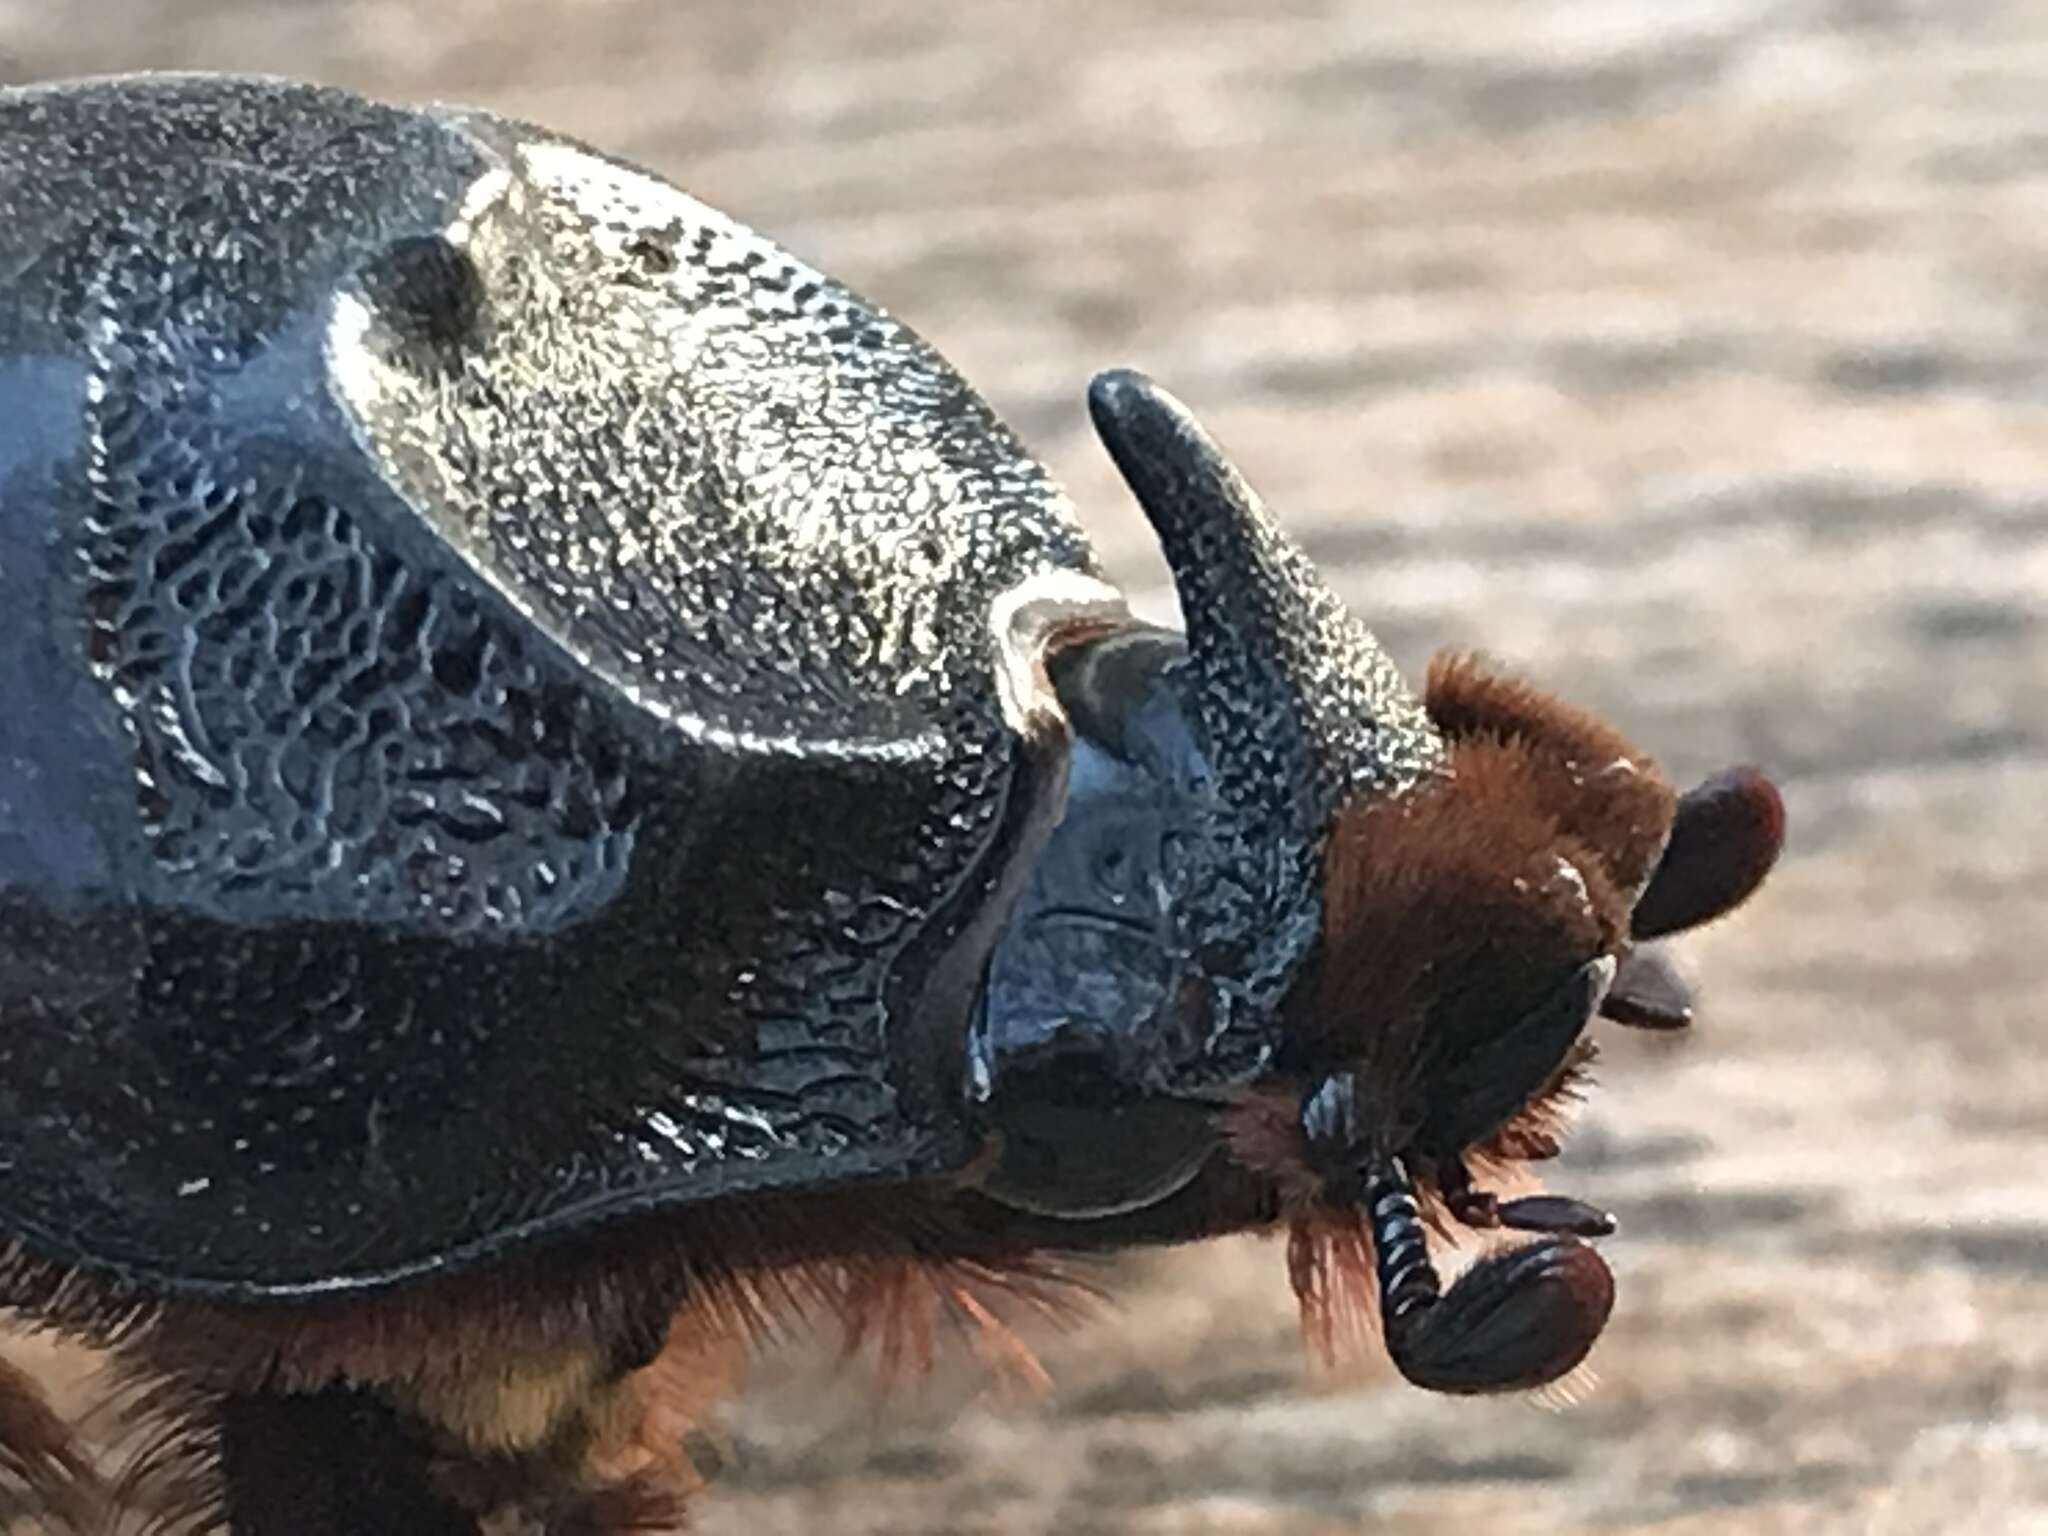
<point>1292,695</point>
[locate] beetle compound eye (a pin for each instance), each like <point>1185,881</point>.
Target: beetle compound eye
<point>1472,1097</point>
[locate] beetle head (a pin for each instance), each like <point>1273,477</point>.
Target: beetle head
<point>1471,932</point>
<point>1385,927</point>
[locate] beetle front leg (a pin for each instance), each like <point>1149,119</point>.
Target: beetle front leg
<point>1515,1320</point>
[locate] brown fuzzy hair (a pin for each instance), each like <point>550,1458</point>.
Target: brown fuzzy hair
<point>1446,906</point>
<point>1600,789</point>
<point>555,1392</point>
<point>1449,912</point>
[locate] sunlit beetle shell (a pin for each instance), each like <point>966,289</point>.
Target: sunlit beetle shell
<point>527,701</point>
<point>532,708</point>
<point>441,569</point>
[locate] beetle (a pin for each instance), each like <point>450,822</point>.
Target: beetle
<point>568,786</point>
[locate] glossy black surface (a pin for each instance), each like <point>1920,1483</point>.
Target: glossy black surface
<point>530,704</point>
<point>1290,698</point>
<point>500,726</point>
<point>1098,1008</point>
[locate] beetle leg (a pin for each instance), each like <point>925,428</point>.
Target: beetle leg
<point>1514,1320</point>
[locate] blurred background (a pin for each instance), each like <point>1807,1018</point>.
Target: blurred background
<point>1691,355</point>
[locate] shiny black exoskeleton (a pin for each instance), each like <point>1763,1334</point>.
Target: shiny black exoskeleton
<point>536,715</point>
<point>445,568</point>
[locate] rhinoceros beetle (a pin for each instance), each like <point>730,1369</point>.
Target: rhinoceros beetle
<point>566,787</point>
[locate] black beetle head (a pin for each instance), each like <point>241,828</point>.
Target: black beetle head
<point>1357,934</point>
<point>1140,981</point>
<point>1171,916</point>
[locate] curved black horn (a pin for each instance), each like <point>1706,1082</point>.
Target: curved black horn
<point>1298,705</point>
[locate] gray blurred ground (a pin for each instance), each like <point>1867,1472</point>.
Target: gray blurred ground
<point>1693,354</point>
